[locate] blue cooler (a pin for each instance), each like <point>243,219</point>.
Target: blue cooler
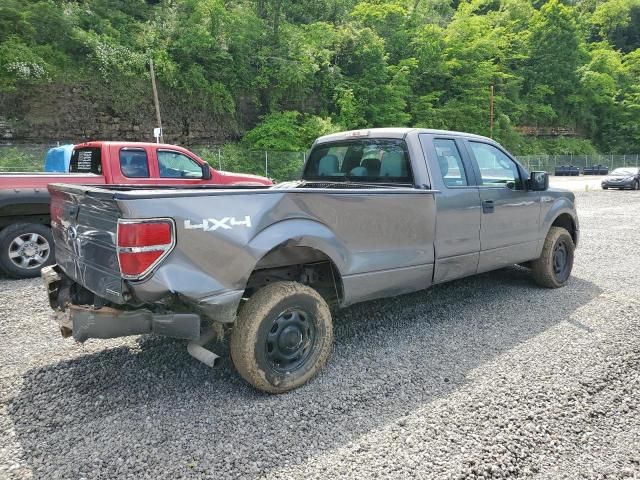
<point>58,158</point>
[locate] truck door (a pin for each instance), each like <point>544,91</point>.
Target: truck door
<point>510,213</point>
<point>130,165</point>
<point>457,239</point>
<point>175,167</point>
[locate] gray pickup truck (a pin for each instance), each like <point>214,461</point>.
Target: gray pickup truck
<point>377,213</point>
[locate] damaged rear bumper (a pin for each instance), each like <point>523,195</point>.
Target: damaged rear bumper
<point>84,322</point>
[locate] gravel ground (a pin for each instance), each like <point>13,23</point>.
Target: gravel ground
<point>487,377</point>
<point>577,184</point>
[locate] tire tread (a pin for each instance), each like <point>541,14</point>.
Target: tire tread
<point>9,233</point>
<point>244,333</point>
<point>542,267</point>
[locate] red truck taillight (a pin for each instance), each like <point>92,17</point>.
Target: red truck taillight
<point>142,244</point>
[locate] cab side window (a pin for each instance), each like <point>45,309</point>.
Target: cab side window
<point>450,163</point>
<point>134,163</point>
<point>496,168</point>
<point>177,165</point>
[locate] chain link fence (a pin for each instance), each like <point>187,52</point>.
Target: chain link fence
<point>279,166</point>
<point>282,166</point>
<point>23,158</point>
<point>549,163</point>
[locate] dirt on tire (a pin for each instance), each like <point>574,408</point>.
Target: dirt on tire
<point>542,267</point>
<point>245,335</point>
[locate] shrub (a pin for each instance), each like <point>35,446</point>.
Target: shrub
<point>288,131</point>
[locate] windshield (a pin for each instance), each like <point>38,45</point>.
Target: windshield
<point>625,171</point>
<point>378,160</point>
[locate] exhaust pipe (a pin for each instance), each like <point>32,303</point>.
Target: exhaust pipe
<point>197,351</point>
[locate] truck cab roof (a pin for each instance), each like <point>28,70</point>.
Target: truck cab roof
<point>398,132</point>
<point>99,143</point>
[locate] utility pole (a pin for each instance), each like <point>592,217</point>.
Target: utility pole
<point>491,114</point>
<point>156,101</point>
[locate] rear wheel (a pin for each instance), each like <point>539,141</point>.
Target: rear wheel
<point>25,248</point>
<point>636,186</point>
<point>282,337</point>
<point>553,268</point>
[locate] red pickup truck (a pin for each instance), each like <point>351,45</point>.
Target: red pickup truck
<point>26,244</point>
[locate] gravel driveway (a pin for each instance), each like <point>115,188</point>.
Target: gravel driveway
<point>487,377</point>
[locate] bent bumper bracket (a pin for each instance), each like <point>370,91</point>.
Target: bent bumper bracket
<point>84,323</point>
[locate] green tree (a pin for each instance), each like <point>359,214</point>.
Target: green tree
<point>373,93</point>
<point>287,131</point>
<point>556,51</point>
<point>600,80</point>
<point>388,20</point>
<point>618,21</point>
<point>295,69</point>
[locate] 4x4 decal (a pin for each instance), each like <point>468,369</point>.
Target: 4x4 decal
<point>213,224</point>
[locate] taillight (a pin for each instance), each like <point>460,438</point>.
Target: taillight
<point>142,244</point>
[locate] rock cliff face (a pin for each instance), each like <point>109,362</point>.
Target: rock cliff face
<point>7,133</point>
<point>51,113</point>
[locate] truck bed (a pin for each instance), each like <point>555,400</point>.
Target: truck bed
<point>130,192</point>
<point>14,180</point>
<point>221,233</point>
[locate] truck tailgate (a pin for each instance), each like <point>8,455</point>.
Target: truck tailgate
<point>84,224</point>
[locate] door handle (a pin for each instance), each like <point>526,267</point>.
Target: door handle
<point>488,206</point>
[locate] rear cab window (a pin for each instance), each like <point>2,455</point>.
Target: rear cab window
<point>370,160</point>
<point>86,160</point>
<point>134,162</point>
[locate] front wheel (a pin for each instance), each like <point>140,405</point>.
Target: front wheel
<point>25,248</point>
<point>553,268</point>
<point>282,337</point>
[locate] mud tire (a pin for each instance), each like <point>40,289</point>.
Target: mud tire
<point>558,248</point>
<point>259,327</point>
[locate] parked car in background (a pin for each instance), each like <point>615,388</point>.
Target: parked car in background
<point>26,244</point>
<point>626,177</point>
<point>377,213</point>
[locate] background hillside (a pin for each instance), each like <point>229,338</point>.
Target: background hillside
<point>566,75</point>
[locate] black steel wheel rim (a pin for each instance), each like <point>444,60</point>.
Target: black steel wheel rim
<point>290,340</point>
<point>560,260</point>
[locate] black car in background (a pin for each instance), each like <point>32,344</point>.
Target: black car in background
<point>627,177</point>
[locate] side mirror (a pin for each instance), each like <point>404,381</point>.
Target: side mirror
<point>206,171</point>
<point>539,181</point>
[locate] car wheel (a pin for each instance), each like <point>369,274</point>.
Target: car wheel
<point>636,186</point>
<point>604,187</point>
<point>282,337</point>
<point>553,268</point>
<point>25,248</point>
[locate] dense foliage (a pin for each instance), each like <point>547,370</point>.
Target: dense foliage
<point>309,67</point>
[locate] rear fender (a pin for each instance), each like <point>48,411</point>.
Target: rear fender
<point>300,233</point>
